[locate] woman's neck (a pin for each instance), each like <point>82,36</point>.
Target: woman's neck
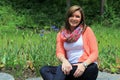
<point>72,28</point>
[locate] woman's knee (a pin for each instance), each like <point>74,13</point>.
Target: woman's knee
<point>43,69</point>
<point>91,72</point>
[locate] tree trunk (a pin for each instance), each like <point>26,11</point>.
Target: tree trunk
<point>102,7</point>
<point>68,3</point>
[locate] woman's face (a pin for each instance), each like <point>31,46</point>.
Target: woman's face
<point>75,19</point>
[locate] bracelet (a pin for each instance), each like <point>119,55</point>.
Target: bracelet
<point>85,64</point>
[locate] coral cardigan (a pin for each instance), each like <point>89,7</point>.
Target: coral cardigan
<point>89,44</point>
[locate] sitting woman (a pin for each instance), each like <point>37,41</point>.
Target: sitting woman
<point>76,48</point>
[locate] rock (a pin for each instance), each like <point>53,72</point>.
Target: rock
<point>101,76</point>
<point>108,76</point>
<point>6,76</point>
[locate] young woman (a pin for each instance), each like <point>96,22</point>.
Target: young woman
<point>76,48</point>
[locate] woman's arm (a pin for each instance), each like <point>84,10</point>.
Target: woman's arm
<point>61,55</point>
<point>93,47</point>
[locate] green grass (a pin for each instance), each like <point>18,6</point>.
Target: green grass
<point>109,47</point>
<point>19,46</point>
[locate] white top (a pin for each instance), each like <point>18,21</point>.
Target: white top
<point>74,50</point>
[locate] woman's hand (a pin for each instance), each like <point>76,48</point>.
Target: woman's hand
<point>66,67</point>
<point>80,69</point>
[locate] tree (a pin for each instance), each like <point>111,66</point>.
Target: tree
<point>102,7</point>
<point>68,3</point>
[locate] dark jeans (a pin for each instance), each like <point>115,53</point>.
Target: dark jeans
<point>55,73</point>
<point>48,72</point>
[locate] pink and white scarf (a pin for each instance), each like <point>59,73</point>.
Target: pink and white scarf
<point>74,36</point>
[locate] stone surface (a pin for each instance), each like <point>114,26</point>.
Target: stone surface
<point>108,76</point>
<point>101,76</point>
<point>6,76</point>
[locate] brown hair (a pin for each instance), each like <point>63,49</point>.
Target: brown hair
<point>69,13</point>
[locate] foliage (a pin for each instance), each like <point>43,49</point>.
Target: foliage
<point>26,48</point>
<point>36,14</point>
<point>35,46</point>
<point>109,51</point>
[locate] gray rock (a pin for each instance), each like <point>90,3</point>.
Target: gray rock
<point>6,76</point>
<point>108,76</point>
<point>101,76</point>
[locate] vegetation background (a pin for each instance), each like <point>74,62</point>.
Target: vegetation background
<point>28,33</point>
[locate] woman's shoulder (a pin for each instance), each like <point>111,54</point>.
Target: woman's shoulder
<point>88,28</point>
<point>88,31</point>
<point>60,31</point>
<point>59,34</point>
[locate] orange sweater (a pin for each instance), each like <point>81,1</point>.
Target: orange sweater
<point>89,44</point>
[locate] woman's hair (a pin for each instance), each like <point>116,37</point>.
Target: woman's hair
<point>69,13</point>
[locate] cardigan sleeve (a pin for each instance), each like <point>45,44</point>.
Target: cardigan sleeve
<point>59,45</point>
<point>93,45</point>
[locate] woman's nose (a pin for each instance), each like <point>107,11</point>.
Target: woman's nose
<point>74,17</point>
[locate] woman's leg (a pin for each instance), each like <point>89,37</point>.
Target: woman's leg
<point>59,74</point>
<point>48,72</point>
<point>90,73</point>
<point>71,77</point>
<point>52,73</point>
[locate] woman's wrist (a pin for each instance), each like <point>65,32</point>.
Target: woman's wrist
<point>85,64</point>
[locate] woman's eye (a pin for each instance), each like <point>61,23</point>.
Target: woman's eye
<point>72,16</point>
<point>77,16</point>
